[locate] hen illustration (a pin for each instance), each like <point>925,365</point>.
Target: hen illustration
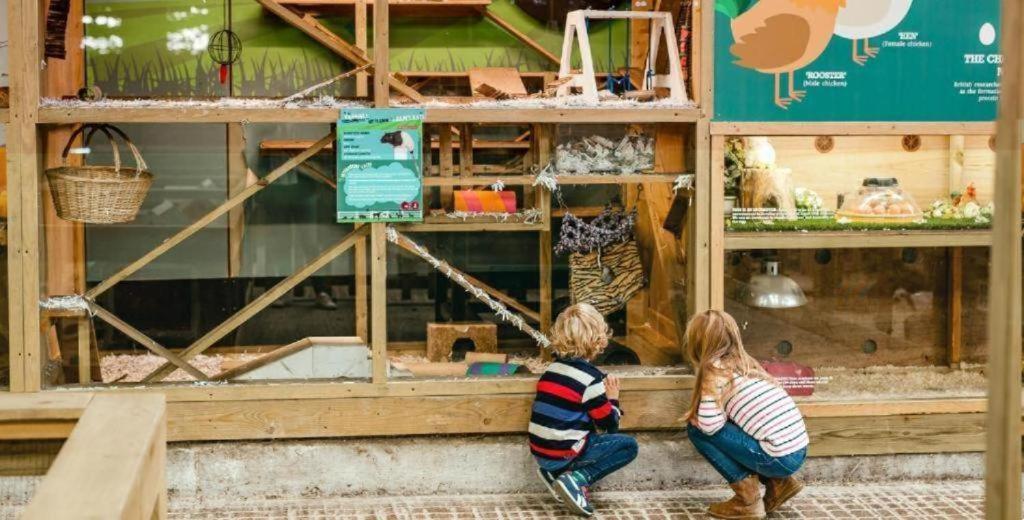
<point>863,19</point>
<point>780,36</point>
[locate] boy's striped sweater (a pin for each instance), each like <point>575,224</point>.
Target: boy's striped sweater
<point>571,403</point>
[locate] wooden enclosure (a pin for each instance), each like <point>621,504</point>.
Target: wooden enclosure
<point>687,272</point>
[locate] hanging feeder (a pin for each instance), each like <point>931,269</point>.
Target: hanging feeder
<point>225,48</point>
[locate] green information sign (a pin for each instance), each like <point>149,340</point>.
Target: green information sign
<point>856,60</point>
<point>380,165</point>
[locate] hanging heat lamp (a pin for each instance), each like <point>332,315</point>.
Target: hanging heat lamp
<point>771,290</point>
<point>225,47</point>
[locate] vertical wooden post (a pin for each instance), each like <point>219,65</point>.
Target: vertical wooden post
<point>381,46</point>
<point>955,334</point>
<point>701,224</point>
<point>445,163</point>
<point>378,300</point>
<point>362,302</point>
<point>362,80</point>
<point>24,168</point>
<point>237,175</point>
<point>542,138</point>
<point>84,354</point>
<point>1003,420</point>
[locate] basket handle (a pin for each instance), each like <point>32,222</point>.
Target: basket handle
<point>92,128</point>
<point>140,164</point>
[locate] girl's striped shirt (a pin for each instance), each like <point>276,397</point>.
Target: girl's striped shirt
<point>571,403</point>
<point>762,410</point>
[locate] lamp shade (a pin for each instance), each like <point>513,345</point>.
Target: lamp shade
<point>771,290</point>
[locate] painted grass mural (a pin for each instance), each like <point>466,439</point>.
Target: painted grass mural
<point>149,49</point>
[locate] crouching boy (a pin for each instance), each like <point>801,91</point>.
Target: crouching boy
<point>574,400</point>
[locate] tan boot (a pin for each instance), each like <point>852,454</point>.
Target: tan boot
<point>778,491</point>
<point>746,505</point>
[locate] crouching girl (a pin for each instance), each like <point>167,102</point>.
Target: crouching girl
<point>741,420</point>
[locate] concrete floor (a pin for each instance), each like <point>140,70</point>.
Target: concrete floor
<point>946,500</point>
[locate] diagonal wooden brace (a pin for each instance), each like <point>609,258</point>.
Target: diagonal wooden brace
<point>406,244</point>
<point>316,30</point>
<point>262,302</point>
<point>146,341</point>
<point>193,228</point>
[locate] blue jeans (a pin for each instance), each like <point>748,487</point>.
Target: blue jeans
<point>605,453</point>
<point>735,455</point>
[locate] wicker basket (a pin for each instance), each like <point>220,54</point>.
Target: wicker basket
<point>99,194</point>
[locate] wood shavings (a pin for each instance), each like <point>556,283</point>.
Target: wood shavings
<point>889,382</point>
<point>132,368</point>
<point>526,216</point>
<point>319,102</point>
<point>561,102</point>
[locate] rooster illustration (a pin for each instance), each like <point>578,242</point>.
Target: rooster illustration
<point>864,19</point>
<point>780,36</point>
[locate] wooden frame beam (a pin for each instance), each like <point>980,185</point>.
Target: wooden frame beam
<point>121,437</point>
<point>205,220</point>
<point>146,341</point>
<point>521,36</point>
<point>406,244</point>
<point>1003,424</point>
<point>260,303</point>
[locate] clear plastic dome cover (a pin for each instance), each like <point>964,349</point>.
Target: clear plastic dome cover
<point>880,200</point>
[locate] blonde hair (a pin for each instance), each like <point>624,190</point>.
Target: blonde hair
<point>579,332</point>
<point>714,347</point>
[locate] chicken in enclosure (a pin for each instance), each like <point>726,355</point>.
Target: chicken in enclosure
<point>780,36</point>
<point>860,20</point>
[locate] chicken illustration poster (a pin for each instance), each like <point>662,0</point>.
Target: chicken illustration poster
<point>856,60</point>
<point>380,164</point>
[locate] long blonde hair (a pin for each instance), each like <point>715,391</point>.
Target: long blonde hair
<point>579,332</point>
<point>714,347</point>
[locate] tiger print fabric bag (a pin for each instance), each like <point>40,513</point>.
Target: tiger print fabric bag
<point>604,261</point>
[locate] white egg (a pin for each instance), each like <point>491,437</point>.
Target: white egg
<point>987,34</point>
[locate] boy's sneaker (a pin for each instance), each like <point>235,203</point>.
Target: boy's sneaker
<point>548,478</point>
<point>574,495</point>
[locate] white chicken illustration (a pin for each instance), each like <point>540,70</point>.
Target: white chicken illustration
<point>860,20</point>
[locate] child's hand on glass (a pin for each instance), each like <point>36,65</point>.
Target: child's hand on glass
<point>611,386</point>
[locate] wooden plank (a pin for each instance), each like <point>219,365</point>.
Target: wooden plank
<point>119,437</point>
<point>24,172</point>
<point>567,179</point>
<point>362,79</point>
<point>237,174</point>
<point>391,416</point>
<point>955,327</point>
<point>86,112</point>
<point>381,53</point>
<point>889,435</point>
<point>45,406</point>
<point>36,430</point>
<point>1003,439</point>
<point>542,135</point>
<point>214,214</point>
<point>147,342</point>
<point>857,239</point>
<point>446,164</point>
<point>275,145</point>
<point>717,235</point>
<point>303,390</point>
<point>362,316</point>
<point>260,303</point>
<point>529,313</point>
<point>457,226</point>
<point>379,301</point>
<point>865,128</point>
<point>521,36</point>
<point>84,353</point>
<point>466,151</point>
<point>504,79</point>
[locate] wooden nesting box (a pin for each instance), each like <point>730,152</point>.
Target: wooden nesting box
<point>441,337</point>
